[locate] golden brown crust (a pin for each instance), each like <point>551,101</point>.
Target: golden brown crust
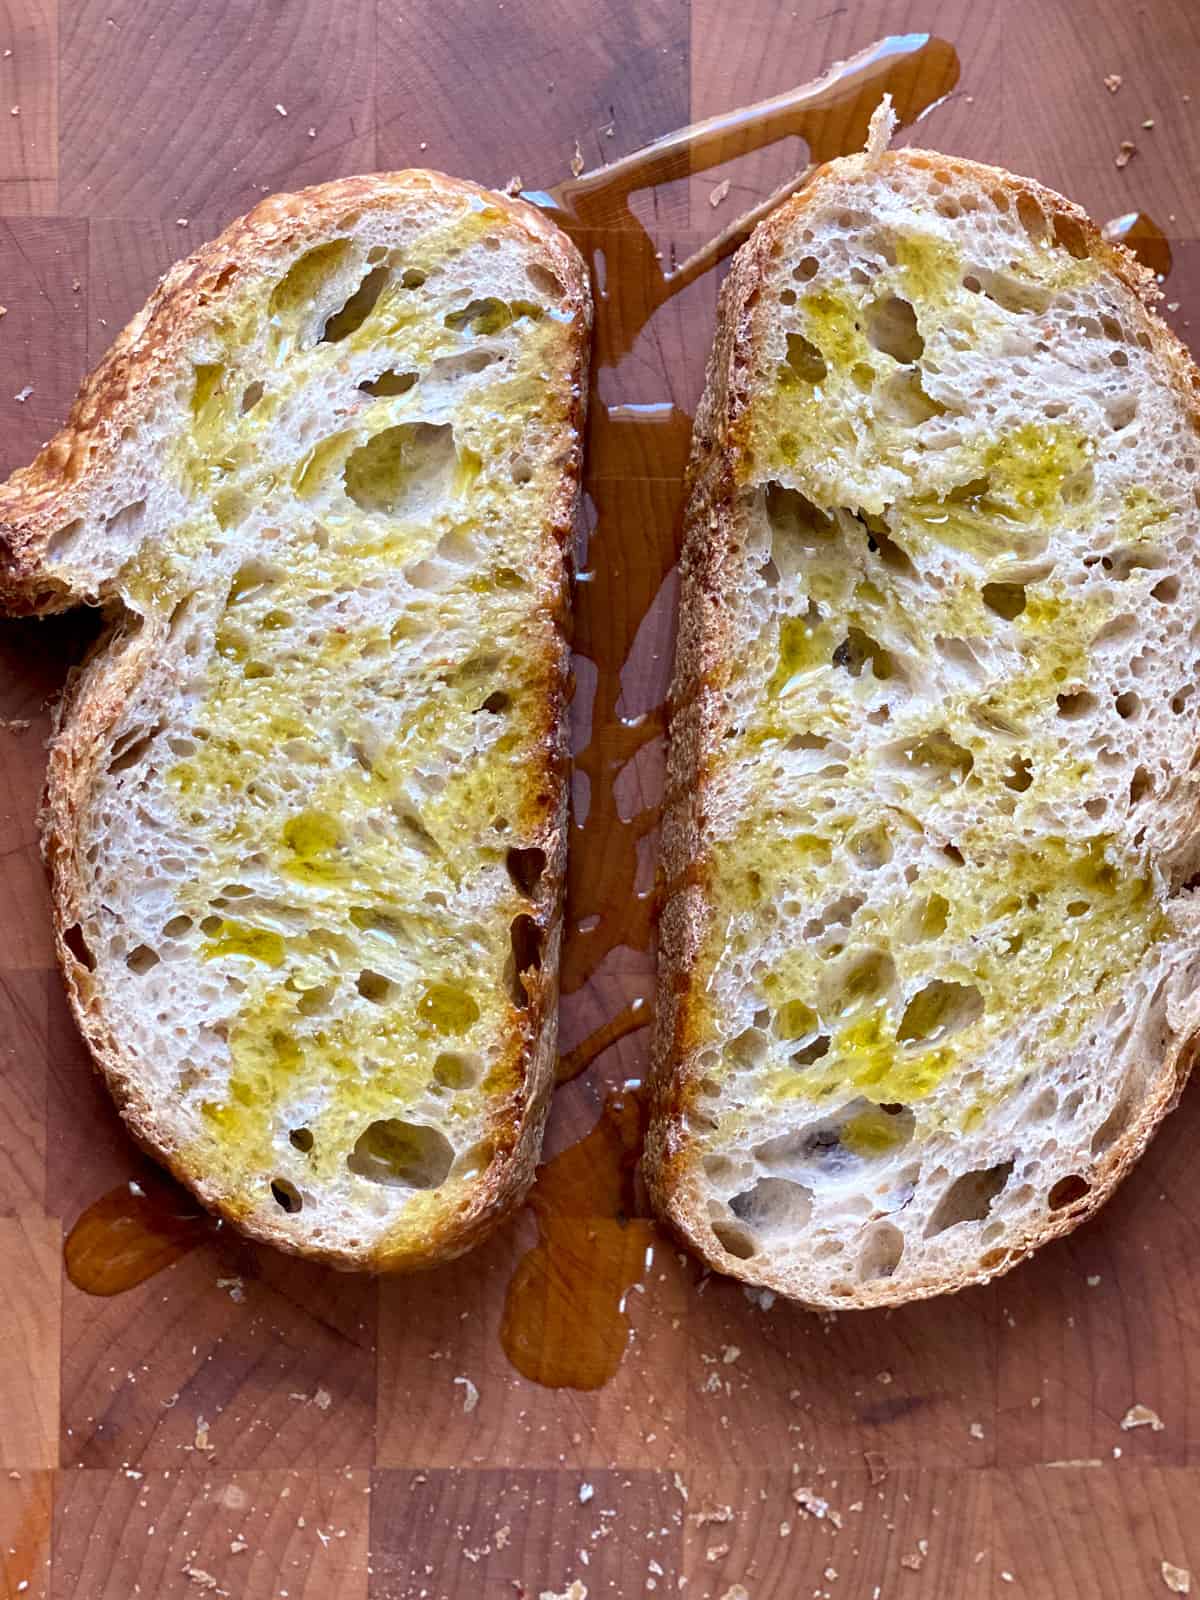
<point>42,497</point>
<point>703,663</point>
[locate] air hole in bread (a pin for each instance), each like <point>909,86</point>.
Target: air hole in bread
<point>177,927</point>
<point>774,1206</point>
<point>525,868</point>
<point>1067,1192</point>
<point>522,470</point>
<point>858,649</point>
<point>306,277</point>
<point>497,703</point>
<point>357,308</point>
<point>390,382</point>
<point>403,471</point>
<point>408,1155</point>
<point>490,315</point>
<point>1113,1126</point>
<point>969,1198</point>
<point>413,278</point>
<point>807,267</point>
<point>1140,785</point>
<point>131,747</point>
<point>454,1071</point>
<point>1116,632</point>
<point>313,1002</point>
<point>1007,600</point>
<point>1129,705</point>
<point>804,360</point>
<point>733,1240</point>
<point>788,297</point>
<point>749,1048</point>
<point>880,543</point>
<point>1166,590</point>
<point>1069,235</point>
<point>881,1252</point>
<point>141,959</point>
<point>251,395</point>
<point>544,281</point>
<point>892,329</point>
<point>1018,775</point>
<point>287,1196</point>
<point>872,848</point>
<point>448,369</point>
<point>63,541</point>
<point>374,986</point>
<point>811,1052</point>
<point>938,1010</point>
<point>301,1139</point>
<point>1031,217</point>
<point>795,519</point>
<point>1120,410</point>
<point>525,937</point>
<point>1014,294</point>
<point>934,757</point>
<point>1180,698</point>
<point>1079,703</point>
<point>837,914</point>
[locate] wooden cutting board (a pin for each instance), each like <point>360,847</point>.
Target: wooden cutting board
<point>239,1423</point>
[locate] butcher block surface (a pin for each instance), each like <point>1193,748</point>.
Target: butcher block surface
<point>575,1403</point>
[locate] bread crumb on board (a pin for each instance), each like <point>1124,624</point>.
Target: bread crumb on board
<point>577,160</point>
<point>1113,82</point>
<point>574,1591</point>
<point>1126,153</point>
<point>719,193</point>
<point>470,1395</point>
<point>1139,1416</point>
<point>1177,1579</point>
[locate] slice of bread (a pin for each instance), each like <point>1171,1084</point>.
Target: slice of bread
<point>928,952</point>
<point>306,801</point>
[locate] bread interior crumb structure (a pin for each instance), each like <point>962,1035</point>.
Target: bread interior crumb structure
<point>315,868</point>
<point>928,975</point>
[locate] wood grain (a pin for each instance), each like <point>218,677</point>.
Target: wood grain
<point>249,1425</point>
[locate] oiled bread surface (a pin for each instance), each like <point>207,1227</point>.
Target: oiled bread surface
<point>928,951</point>
<point>305,804</point>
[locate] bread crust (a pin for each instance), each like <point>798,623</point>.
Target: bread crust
<point>702,669</point>
<point>38,499</point>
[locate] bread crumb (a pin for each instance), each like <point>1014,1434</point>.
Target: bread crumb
<point>1113,82</point>
<point>23,395</point>
<point>202,1579</point>
<point>719,193</point>
<point>586,1491</point>
<point>1126,153</point>
<point>237,1546</point>
<point>575,1591</point>
<point>322,1400</point>
<point>730,1353</point>
<point>312,133</point>
<point>1093,1280</point>
<point>976,1430</point>
<point>201,1440</point>
<point>1149,122</point>
<point>502,1535</point>
<point>576,160</point>
<point>181,222</point>
<point>1139,1416</point>
<point>1177,1579</point>
<point>880,129</point>
<point>716,1552</point>
<point>281,109</point>
<point>1006,1577</point>
<point>4,309</point>
<point>14,111</point>
<point>470,1395</point>
<point>738,1592</point>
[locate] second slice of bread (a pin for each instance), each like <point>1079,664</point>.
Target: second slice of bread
<point>929,961</point>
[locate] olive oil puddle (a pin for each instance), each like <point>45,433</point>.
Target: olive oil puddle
<point>134,1232</point>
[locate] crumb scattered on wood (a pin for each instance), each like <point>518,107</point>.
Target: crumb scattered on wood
<point>574,1591</point>
<point>1126,153</point>
<point>514,184</point>
<point>23,394</point>
<point>577,160</point>
<point>1113,82</point>
<point>877,1467</point>
<point>719,193</point>
<point>1177,1579</point>
<point>1139,1416</point>
<point>470,1395</point>
<point>282,110</point>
